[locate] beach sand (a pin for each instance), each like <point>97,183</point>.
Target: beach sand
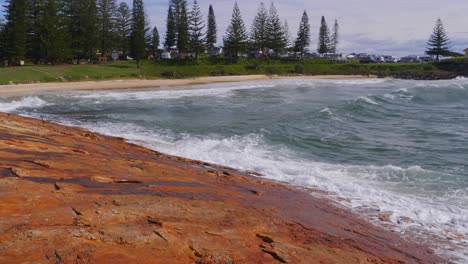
<point>13,89</point>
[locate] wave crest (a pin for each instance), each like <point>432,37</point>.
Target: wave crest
<point>25,102</point>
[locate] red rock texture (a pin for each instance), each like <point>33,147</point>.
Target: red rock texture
<point>71,196</point>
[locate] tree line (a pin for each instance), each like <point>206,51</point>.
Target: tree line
<point>188,32</point>
<point>60,31</point>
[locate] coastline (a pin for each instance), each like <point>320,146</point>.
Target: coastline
<point>16,89</point>
<point>99,199</point>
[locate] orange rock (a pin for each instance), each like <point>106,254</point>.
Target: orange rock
<point>71,196</point>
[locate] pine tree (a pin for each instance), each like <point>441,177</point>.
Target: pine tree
<point>334,38</point>
<point>2,41</point>
<point>171,30</point>
<point>235,40</point>
<point>107,17</point>
<point>81,16</point>
<point>324,37</point>
<point>211,32</point>
<point>196,27</point>
<point>258,33</point>
<point>439,41</point>
<point>276,32</point>
<point>52,33</point>
<point>303,35</point>
<point>155,38</point>
<point>123,27</point>
<point>88,37</point>
<point>15,31</point>
<point>183,37</point>
<point>154,41</point>
<point>35,8</point>
<point>179,9</point>
<point>138,35</point>
<point>286,34</point>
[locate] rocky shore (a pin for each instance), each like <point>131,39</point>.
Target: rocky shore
<point>71,196</point>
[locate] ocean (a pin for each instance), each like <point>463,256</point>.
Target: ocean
<point>393,151</point>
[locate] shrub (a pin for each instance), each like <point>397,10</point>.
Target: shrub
<point>299,69</point>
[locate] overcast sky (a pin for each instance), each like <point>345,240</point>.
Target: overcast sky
<point>399,27</point>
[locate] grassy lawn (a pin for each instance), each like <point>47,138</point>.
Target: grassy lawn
<point>30,74</point>
<point>219,67</point>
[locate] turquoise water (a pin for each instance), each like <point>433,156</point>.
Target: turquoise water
<point>393,147</point>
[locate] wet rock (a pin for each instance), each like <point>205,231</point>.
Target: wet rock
<point>169,210</point>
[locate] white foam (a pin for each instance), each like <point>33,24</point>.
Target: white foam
<point>169,93</point>
<point>25,102</point>
<point>366,186</point>
<point>326,110</point>
<point>367,100</point>
<point>370,81</point>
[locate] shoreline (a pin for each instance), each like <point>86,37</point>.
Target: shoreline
<point>101,199</point>
<point>18,89</point>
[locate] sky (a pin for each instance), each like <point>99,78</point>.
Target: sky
<point>397,27</point>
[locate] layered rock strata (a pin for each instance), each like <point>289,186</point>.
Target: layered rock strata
<point>71,196</point>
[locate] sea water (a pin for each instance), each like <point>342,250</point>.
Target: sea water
<point>394,151</point>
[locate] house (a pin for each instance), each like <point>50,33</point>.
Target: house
<point>215,51</point>
<point>166,55</point>
<point>466,52</point>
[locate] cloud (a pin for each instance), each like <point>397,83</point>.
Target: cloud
<point>401,26</point>
<point>397,26</point>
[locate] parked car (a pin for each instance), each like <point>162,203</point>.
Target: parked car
<point>389,59</point>
<point>425,58</point>
<point>409,59</point>
<point>367,58</point>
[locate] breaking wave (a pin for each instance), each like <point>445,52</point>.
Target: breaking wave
<point>25,102</point>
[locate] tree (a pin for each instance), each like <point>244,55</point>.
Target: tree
<point>235,39</point>
<point>2,41</point>
<point>171,30</point>
<point>107,18</point>
<point>258,34</point>
<point>155,38</point>
<point>335,38</point>
<point>183,37</point>
<point>324,37</point>
<point>211,32</point>
<point>138,35</point>
<point>35,9</point>
<point>81,17</point>
<point>277,38</point>
<point>438,42</point>
<point>286,34</point>
<point>303,35</point>
<point>179,9</point>
<point>154,41</point>
<point>196,27</point>
<point>15,31</point>
<point>52,33</point>
<point>123,25</point>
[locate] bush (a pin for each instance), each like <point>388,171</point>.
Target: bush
<point>168,74</point>
<point>299,69</point>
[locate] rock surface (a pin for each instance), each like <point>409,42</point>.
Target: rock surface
<point>71,196</point>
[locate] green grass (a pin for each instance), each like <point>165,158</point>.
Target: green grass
<point>222,67</point>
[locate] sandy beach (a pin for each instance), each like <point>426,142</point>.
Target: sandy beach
<point>141,84</point>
